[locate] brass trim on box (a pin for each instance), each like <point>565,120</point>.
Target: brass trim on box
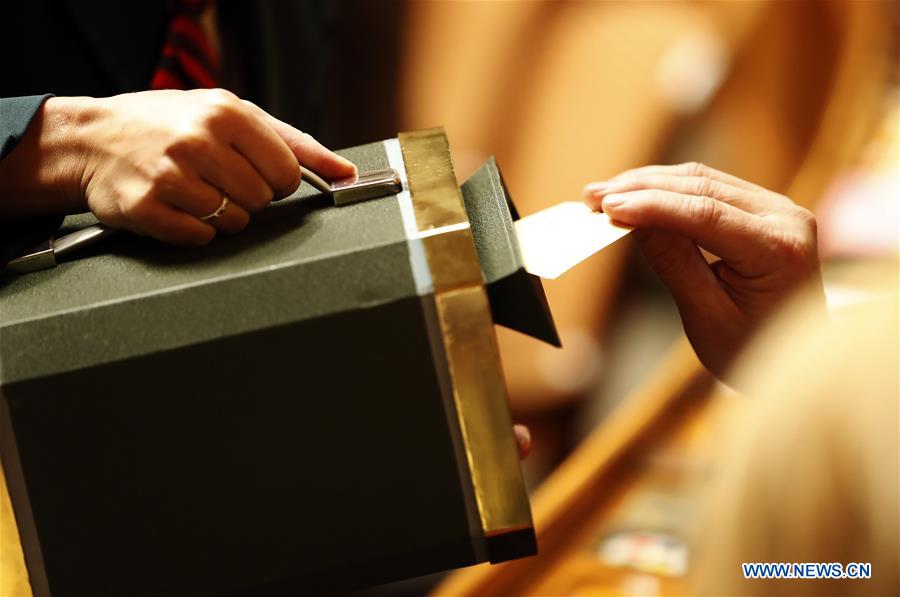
<point>464,316</point>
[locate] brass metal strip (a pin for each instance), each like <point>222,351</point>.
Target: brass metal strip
<point>464,315</point>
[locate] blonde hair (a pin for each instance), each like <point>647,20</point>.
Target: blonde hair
<point>813,472</point>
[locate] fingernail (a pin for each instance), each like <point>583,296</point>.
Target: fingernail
<point>613,202</point>
<point>595,188</point>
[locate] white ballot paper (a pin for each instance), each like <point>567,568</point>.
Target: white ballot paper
<point>560,237</point>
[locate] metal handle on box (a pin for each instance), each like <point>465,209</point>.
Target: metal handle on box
<point>364,186</point>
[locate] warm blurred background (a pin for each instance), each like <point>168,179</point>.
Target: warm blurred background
<point>785,94</point>
<point>801,97</point>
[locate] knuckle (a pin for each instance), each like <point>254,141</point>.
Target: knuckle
<point>796,248</point>
<point>190,142</point>
<point>695,169</point>
<point>706,187</point>
<point>704,210</point>
<point>166,178</point>
<point>138,207</point>
<point>806,219</point>
<point>220,96</point>
<point>793,236</point>
<point>804,241</point>
<point>219,106</point>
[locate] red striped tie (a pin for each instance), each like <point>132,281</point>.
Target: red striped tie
<point>188,60</point>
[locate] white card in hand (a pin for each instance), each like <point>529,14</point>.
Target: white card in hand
<point>560,237</point>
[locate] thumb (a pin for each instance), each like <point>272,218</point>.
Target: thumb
<point>681,267</point>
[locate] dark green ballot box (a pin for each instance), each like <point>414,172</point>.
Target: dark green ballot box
<point>315,404</point>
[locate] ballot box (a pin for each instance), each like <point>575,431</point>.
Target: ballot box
<point>314,404</point>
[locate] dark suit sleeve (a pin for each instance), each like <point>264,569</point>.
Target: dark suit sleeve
<point>16,114</point>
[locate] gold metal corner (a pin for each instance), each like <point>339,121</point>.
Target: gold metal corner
<point>467,330</point>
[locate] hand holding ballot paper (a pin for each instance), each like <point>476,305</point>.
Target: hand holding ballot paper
<point>765,243</point>
<point>764,248</point>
